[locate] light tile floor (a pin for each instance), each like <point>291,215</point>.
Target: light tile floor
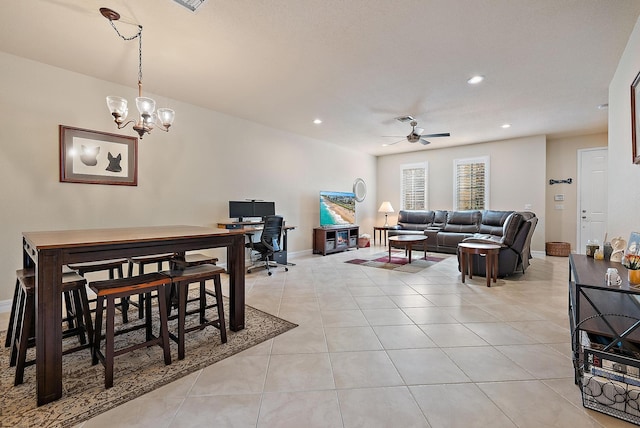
<point>385,349</point>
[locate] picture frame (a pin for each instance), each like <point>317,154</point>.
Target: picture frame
<point>94,157</point>
<point>633,246</point>
<point>635,120</point>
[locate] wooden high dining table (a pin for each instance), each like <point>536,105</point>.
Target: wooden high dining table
<point>50,251</point>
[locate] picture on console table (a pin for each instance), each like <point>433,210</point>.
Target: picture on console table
<point>97,157</point>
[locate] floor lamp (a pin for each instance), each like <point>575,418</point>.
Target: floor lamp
<point>385,208</point>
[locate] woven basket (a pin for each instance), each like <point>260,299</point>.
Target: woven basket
<point>561,249</point>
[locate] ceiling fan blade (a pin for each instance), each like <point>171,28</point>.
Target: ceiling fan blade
<point>444,134</point>
<point>395,142</point>
<point>424,142</point>
<point>417,130</point>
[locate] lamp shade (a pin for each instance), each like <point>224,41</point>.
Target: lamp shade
<point>166,116</point>
<point>117,106</point>
<point>385,207</point>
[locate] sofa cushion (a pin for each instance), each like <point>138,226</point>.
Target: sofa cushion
<point>415,219</point>
<point>463,221</point>
<point>439,218</point>
<point>511,227</point>
<point>493,221</point>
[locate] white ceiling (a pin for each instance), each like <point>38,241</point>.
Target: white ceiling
<point>356,64</point>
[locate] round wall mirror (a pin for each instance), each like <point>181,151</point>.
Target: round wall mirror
<point>360,189</point>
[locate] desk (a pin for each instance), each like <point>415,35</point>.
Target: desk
<point>50,251</point>
<point>249,227</point>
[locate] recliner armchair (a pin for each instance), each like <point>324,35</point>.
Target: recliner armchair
<point>269,243</point>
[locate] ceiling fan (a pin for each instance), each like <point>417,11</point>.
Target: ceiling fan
<point>416,133</point>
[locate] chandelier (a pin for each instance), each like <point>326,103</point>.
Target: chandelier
<point>149,116</point>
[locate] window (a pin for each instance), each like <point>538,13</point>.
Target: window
<point>413,181</point>
<point>471,183</point>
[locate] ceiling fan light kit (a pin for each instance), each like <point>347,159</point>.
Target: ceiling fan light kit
<point>149,117</point>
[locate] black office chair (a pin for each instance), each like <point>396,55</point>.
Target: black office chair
<point>269,243</point>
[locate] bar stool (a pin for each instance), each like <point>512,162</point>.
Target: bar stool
<point>23,328</point>
<point>112,289</point>
<point>193,259</point>
<point>10,337</point>
<point>112,267</point>
<point>142,261</point>
<point>181,279</point>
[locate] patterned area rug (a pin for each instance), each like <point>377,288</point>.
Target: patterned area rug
<point>398,261</point>
<point>136,373</point>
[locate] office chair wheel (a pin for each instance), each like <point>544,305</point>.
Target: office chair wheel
<point>286,269</point>
<point>270,273</point>
<point>248,270</point>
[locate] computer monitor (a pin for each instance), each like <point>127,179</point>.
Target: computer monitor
<point>263,209</point>
<point>251,209</point>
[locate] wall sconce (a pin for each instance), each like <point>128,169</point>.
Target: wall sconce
<point>149,117</point>
<point>385,208</point>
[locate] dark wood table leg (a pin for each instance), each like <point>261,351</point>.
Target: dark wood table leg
<point>488,267</point>
<point>409,251</point>
<point>235,266</point>
<point>463,263</point>
<point>389,252</point>
<point>48,338</point>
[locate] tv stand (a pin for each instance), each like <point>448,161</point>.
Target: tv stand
<point>327,240</point>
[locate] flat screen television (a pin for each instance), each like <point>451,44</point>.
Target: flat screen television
<point>251,209</point>
<point>337,208</point>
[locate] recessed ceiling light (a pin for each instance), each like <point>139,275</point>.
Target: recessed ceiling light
<point>603,106</point>
<point>506,125</point>
<point>317,121</point>
<point>475,80</point>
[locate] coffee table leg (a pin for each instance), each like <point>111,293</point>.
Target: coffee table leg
<point>463,263</point>
<point>488,267</point>
<point>409,250</point>
<point>495,267</point>
<point>389,252</point>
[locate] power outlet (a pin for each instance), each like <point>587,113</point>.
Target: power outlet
<point>559,206</point>
<point>527,206</point>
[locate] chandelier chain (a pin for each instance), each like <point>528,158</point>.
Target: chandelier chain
<point>138,36</point>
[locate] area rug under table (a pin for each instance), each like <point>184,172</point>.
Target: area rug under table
<point>136,373</point>
<point>398,261</point>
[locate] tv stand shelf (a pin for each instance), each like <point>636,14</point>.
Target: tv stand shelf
<point>327,240</point>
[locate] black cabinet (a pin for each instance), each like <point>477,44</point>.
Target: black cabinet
<point>605,338</point>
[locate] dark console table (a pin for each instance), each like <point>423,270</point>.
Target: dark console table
<point>605,326</point>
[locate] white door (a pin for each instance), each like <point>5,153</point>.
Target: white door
<point>592,196</point>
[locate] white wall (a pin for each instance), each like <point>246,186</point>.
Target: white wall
<point>186,176</point>
<point>517,177</point>
<point>562,163</point>
<point>624,176</point>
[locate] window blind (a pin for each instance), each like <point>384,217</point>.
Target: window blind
<point>414,187</point>
<point>471,184</point>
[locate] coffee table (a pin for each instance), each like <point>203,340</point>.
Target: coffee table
<point>407,241</point>
<point>490,251</point>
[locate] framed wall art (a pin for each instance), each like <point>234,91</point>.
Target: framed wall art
<point>635,119</point>
<point>95,157</point>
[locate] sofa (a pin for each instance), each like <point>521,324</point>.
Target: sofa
<point>512,230</point>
